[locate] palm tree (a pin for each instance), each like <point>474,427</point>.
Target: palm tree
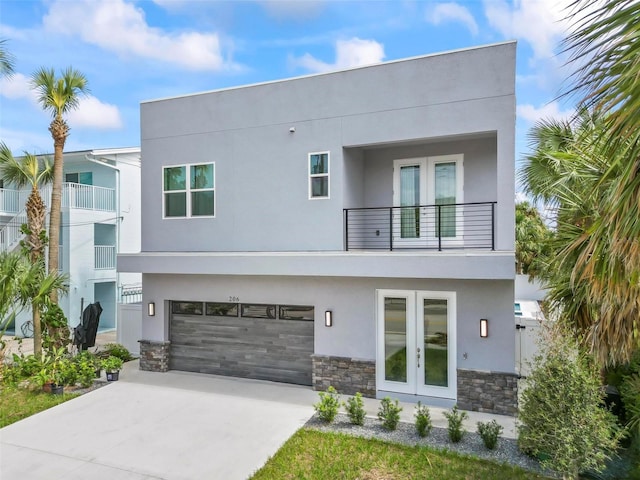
<point>605,47</point>
<point>29,171</point>
<point>591,286</point>
<point>532,240</point>
<point>6,60</point>
<point>58,95</point>
<point>24,283</point>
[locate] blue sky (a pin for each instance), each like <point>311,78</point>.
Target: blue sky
<point>132,51</point>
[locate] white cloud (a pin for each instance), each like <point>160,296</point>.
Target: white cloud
<point>122,28</point>
<point>538,22</point>
<point>452,12</point>
<point>92,113</point>
<point>17,86</point>
<point>349,53</point>
<point>532,114</point>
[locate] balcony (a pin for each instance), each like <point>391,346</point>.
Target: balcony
<point>74,195</point>
<point>422,227</point>
<point>104,257</point>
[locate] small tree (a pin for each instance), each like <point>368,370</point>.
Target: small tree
<point>562,415</point>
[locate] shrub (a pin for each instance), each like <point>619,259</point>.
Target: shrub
<point>116,350</point>
<point>489,431</point>
<point>423,420</point>
<point>355,409</point>
<point>389,413</point>
<point>561,414</point>
<point>112,364</point>
<point>86,365</point>
<point>328,405</point>
<point>630,393</point>
<point>67,373</point>
<point>454,428</point>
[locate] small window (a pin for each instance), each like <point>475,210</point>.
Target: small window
<point>187,308</point>
<point>296,312</point>
<point>258,311</point>
<point>83,178</point>
<point>222,309</point>
<point>319,175</point>
<point>189,191</point>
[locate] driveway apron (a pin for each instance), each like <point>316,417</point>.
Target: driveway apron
<point>148,425</point>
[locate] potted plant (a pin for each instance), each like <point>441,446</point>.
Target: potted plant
<point>112,366</point>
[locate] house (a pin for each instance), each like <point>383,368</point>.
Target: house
<point>353,228</point>
<point>100,218</point>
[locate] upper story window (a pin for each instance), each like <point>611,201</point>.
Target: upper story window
<point>319,175</point>
<point>84,178</point>
<point>189,191</point>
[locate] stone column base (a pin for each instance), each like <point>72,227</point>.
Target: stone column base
<point>346,375</point>
<point>489,392</point>
<point>154,356</point>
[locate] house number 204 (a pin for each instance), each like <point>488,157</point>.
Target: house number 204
<point>234,299</point>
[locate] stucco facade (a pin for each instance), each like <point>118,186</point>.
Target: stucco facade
<point>352,247</point>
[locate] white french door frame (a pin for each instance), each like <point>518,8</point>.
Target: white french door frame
<point>397,201</point>
<point>414,328</point>
<point>427,217</point>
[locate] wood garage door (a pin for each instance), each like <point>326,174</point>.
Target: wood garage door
<point>262,348</point>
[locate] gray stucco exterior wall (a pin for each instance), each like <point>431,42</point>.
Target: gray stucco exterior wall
<point>450,102</point>
<point>353,302</point>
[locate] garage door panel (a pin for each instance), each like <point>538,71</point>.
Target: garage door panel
<point>266,349</point>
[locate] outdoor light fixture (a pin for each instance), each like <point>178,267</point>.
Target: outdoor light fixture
<point>328,319</point>
<point>292,129</point>
<point>151,307</point>
<point>484,328</point>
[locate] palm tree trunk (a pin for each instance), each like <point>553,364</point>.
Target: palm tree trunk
<point>59,131</point>
<point>37,332</point>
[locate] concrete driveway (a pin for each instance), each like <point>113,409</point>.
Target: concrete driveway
<point>157,426</point>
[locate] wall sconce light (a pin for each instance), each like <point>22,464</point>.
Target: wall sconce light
<point>328,318</point>
<point>484,328</point>
<point>151,309</point>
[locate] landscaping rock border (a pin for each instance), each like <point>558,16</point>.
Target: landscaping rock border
<point>506,451</point>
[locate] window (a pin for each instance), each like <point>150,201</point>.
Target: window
<point>84,178</point>
<point>222,309</point>
<point>189,308</point>
<point>258,311</point>
<point>189,191</point>
<point>319,175</point>
<point>295,312</point>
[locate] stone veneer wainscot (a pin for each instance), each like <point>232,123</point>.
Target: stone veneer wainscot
<point>490,392</point>
<point>154,356</point>
<point>346,375</point>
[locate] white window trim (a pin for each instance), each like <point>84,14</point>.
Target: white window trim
<point>318,175</point>
<point>188,190</point>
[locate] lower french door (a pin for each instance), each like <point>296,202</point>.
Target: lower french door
<point>416,347</point>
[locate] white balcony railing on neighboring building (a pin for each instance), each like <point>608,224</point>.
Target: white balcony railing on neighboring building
<point>12,201</point>
<point>74,195</point>
<point>88,197</point>
<point>105,257</point>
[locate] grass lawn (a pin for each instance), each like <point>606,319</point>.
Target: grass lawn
<point>314,455</point>
<point>18,403</point>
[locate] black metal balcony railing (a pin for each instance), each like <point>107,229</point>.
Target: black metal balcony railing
<point>435,227</point>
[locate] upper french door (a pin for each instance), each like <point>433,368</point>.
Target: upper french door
<point>436,184</point>
<point>416,348</point>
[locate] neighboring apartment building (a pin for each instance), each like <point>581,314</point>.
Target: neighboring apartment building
<point>100,218</point>
<point>353,228</point>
